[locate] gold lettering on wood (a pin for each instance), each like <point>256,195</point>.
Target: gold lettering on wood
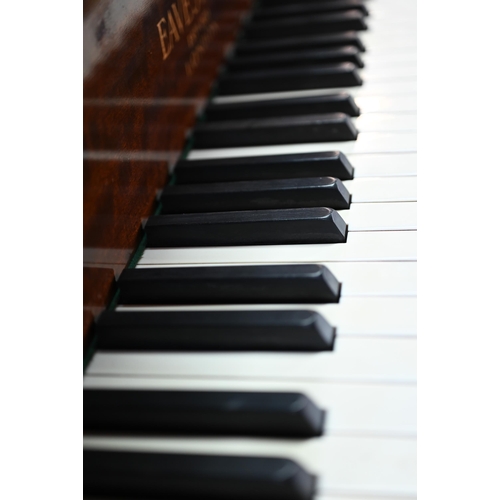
<point>164,36</point>
<point>173,33</point>
<point>179,16</point>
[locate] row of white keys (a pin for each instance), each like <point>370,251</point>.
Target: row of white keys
<point>382,189</point>
<point>381,217</point>
<point>343,464</point>
<point>405,103</point>
<point>386,122</point>
<point>373,73</point>
<point>384,165</point>
<point>370,246</point>
<point>385,26</point>
<point>369,359</point>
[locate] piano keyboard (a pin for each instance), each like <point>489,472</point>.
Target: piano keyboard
<point>366,381</point>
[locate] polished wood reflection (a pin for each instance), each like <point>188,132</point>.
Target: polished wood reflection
<point>138,109</point>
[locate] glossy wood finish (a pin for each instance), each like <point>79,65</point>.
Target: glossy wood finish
<point>146,127</point>
<point>118,194</point>
<point>138,108</point>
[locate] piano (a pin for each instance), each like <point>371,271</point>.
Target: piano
<point>250,249</point>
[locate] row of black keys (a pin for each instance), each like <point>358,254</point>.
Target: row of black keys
<point>297,47</point>
<point>274,121</point>
<point>280,211</point>
<point>264,200</point>
<point>275,62</point>
<point>285,330</point>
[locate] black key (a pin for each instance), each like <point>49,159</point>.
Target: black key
<point>335,103</point>
<point>288,79</point>
<point>289,166</point>
<point>326,127</point>
<point>163,475</point>
<point>250,227</point>
<point>285,330</point>
<point>282,11</point>
<point>324,24</point>
<point>277,414</point>
<point>294,59</point>
<point>298,44</point>
<point>255,195</point>
<point>271,284</point>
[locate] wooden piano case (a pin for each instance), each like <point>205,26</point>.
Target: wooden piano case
<point>148,67</point>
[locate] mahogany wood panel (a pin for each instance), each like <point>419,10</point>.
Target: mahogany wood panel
<point>117,195</point>
<point>124,57</point>
<point>154,127</point>
<point>139,104</point>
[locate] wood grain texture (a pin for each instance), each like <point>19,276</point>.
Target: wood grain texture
<point>138,109</point>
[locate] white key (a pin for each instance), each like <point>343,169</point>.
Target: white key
<point>370,279</point>
<point>381,217</point>
<point>390,24</point>
<point>390,17</point>
<point>382,189</point>
<point>386,122</point>
<point>384,89</point>
<point>377,165</point>
<point>388,44</point>
<point>388,73</point>
<point>386,104</point>
<point>389,61</point>
<point>396,56</point>
<point>382,316</point>
<point>380,18</point>
<point>363,246</point>
<point>387,35</point>
<point>355,465</point>
<point>384,41</point>
<point>352,409</point>
<point>355,359</point>
<point>367,142</point>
